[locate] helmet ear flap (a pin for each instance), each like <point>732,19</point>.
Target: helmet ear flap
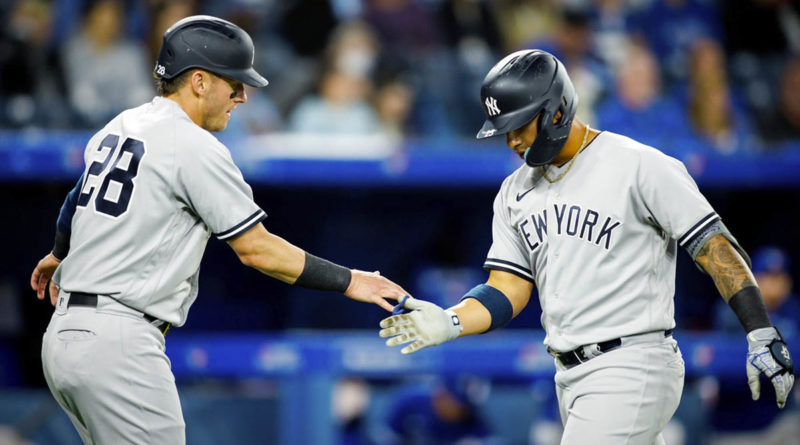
<point>545,116</point>
<point>563,108</point>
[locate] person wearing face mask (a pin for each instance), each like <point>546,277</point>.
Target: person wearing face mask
<point>341,103</point>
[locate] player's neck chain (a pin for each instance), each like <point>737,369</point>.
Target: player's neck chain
<point>571,161</point>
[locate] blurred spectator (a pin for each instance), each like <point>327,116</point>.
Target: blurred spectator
<point>411,41</point>
<point>711,110</point>
<point>275,58</point>
<point>670,27</point>
<point>105,71</point>
<point>163,13</point>
<point>572,44</point>
<point>638,108</point>
<point>393,102</point>
<point>448,413</point>
<point>341,104</point>
<point>522,21</point>
<point>350,399</point>
<point>471,32</point>
<point>403,26</point>
<point>31,83</point>
<point>260,116</point>
<point>782,123</point>
<point>735,410</point>
<point>611,23</point>
<point>771,267</point>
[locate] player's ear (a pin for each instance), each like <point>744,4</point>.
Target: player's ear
<point>200,81</point>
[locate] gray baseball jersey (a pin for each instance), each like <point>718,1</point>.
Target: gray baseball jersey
<point>600,244</point>
<point>156,186</point>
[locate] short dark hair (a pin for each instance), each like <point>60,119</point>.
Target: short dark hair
<point>166,87</point>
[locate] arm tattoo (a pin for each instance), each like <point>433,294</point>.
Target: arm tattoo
<point>726,267</point>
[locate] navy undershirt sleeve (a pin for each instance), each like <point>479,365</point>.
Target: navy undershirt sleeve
<point>64,223</point>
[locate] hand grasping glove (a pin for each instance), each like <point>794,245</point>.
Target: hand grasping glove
<point>426,325</point>
<point>767,354</point>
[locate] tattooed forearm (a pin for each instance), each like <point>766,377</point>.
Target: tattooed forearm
<point>726,267</point>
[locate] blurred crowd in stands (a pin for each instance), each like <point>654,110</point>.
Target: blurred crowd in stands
<point>720,75</point>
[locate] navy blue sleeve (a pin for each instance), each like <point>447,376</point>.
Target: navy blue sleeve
<point>64,223</point>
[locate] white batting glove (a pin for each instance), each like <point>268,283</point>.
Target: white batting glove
<point>769,355</point>
<point>426,325</point>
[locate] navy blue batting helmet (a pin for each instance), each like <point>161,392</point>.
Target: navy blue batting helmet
<point>210,43</point>
<point>521,86</point>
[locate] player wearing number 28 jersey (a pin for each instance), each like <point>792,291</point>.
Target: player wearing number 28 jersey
<point>131,234</point>
<point>177,186</point>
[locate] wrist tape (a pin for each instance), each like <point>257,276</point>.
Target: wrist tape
<point>749,308</point>
<point>321,274</point>
<point>495,302</point>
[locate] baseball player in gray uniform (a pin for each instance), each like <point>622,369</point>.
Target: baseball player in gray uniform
<point>594,220</point>
<point>132,232</point>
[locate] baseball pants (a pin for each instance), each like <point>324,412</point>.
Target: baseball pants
<point>107,369</point>
<point>623,397</point>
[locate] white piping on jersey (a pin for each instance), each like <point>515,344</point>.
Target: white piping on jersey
<point>708,219</point>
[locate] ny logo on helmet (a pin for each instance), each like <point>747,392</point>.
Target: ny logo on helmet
<point>491,106</point>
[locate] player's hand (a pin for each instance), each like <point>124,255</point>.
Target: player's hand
<point>41,276</point>
<point>371,287</point>
<point>426,325</point>
<point>769,355</point>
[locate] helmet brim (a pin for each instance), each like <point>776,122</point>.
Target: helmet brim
<point>488,130</point>
<point>505,123</point>
<point>251,77</point>
<point>247,76</point>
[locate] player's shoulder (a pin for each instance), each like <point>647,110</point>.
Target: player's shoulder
<point>622,148</point>
<point>168,120</point>
<point>517,178</point>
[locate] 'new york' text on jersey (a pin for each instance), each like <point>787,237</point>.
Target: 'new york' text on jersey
<point>600,244</point>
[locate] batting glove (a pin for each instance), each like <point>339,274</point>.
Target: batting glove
<point>767,354</point>
<point>425,325</point>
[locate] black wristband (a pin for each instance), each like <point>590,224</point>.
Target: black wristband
<point>749,308</point>
<point>321,274</point>
<point>61,246</point>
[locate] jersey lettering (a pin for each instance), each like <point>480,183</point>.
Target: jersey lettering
<point>114,194</point>
<point>102,157</point>
<point>575,222</point>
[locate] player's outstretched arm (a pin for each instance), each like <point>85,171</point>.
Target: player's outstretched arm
<point>767,352</point>
<point>278,258</point>
<point>41,277</point>
<point>486,307</point>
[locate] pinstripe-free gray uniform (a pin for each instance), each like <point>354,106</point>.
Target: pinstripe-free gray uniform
<point>155,188</point>
<point>600,245</point>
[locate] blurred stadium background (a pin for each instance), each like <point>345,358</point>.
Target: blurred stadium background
<point>362,150</point>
